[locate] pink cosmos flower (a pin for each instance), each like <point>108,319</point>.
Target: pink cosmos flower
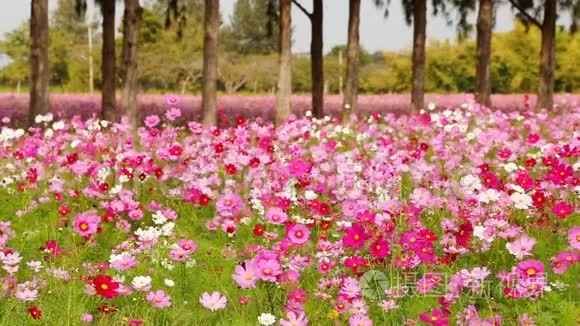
<point>521,247</point>
<point>172,114</point>
<point>276,215</point>
<point>87,318</point>
<point>268,270</point>
<point>246,276</point>
<point>26,294</point>
<point>86,223</point>
<point>298,234</point>
<point>214,301</point>
<point>172,99</point>
<point>123,261</point>
<point>574,237</point>
<point>188,246</point>
<point>159,299</point>
<point>563,261</point>
<point>229,203</point>
<point>152,120</point>
<point>294,319</point>
<point>360,320</point>
<point>562,209</point>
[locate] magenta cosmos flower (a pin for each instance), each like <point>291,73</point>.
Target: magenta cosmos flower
<point>214,301</point>
<point>298,168</point>
<point>159,299</point>
<point>86,223</point>
<point>355,236</point>
<point>530,268</point>
<point>562,209</point>
<point>298,234</point>
<point>438,317</point>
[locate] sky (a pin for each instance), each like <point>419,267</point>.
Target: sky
<point>376,31</point>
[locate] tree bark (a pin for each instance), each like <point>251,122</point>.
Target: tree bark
<point>283,108</point>
<point>352,58</point>
<point>38,59</point>
<point>108,103</point>
<point>418,74</point>
<point>317,59</point>
<point>132,24</point>
<point>548,56</point>
<point>210,62</point>
<point>483,73</point>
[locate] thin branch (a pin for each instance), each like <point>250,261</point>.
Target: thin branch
<point>525,13</point>
<point>309,15</point>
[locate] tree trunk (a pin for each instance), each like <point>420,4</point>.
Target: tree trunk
<point>108,111</point>
<point>210,62</point>
<point>283,109</point>
<point>483,73</point>
<point>132,24</point>
<point>548,56</point>
<point>38,59</point>
<point>352,56</point>
<point>317,59</point>
<point>418,74</point>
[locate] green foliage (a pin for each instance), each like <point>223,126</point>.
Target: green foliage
<point>249,32</point>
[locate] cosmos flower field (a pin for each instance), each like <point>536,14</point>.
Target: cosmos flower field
<point>455,216</point>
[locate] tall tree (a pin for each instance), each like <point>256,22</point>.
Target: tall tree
<point>38,59</point>
<point>418,56</point>
<point>548,45</point>
<point>483,71</point>
<point>316,55</point>
<point>352,59</point>
<point>131,27</point>
<point>210,61</point>
<point>284,93</point>
<point>108,102</point>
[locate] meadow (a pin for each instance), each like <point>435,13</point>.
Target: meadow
<point>460,215</point>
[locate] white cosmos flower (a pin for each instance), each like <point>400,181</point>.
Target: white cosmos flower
<point>266,319</point>
<point>521,201</point>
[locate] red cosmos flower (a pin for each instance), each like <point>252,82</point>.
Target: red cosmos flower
<point>231,169</point>
<point>105,286</point>
<point>259,230</point>
<point>216,132</point>
<point>218,148</point>
<point>53,247</point>
<point>240,121</point>
<point>428,235</point>
<point>464,235</point>
<point>175,150</point>
<point>490,180</point>
<point>530,163</point>
<point>539,199</point>
<point>254,162</point>
<point>135,322</point>
<point>34,312</point>
<point>562,209</point>
<point>204,200</point>
<point>64,210</point>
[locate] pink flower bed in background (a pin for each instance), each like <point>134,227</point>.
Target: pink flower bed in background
<point>15,106</point>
